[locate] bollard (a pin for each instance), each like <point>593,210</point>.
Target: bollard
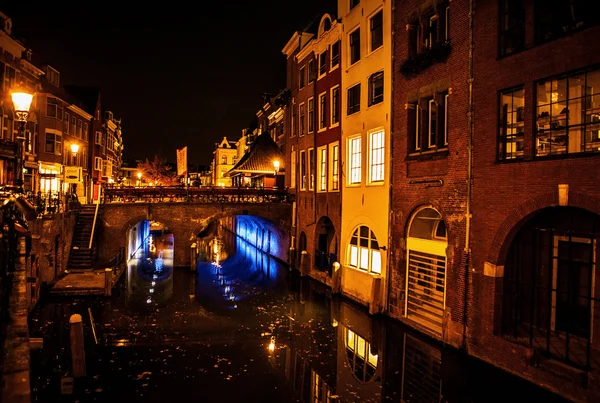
<point>336,278</point>
<point>107,282</point>
<point>292,257</point>
<point>193,257</point>
<point>77,346</point>
<point>304,263</point>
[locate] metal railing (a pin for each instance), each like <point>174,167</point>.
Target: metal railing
<point>194,195</point>
<point>52,202</point>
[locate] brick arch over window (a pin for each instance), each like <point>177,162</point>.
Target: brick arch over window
<point>522,213</point>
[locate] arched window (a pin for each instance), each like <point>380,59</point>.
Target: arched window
<point>364,251</point>
<point>426,269</point>
<point>362,361</point>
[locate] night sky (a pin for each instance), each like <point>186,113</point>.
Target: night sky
<point>177,76</point>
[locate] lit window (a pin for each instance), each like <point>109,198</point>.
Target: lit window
<point>568,114</point>
<point>377,153</point>
<point>293,173</point>
<point>512,124</point>
<point>323,169</point>
<point>303,170</point>
<point>361,361</point>
<point>335,173</point>
<point>311,168</point>
<point>364,250</point>
<point>355,160</point>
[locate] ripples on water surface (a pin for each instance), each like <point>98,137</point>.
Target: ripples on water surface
<point>248,330</point>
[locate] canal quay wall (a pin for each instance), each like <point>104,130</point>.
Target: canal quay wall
<point>184,220</point>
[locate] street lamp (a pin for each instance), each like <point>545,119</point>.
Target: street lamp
<point>74,150</point>
<point>139,175</point>
<point>276,166</point>
<point>22,102</point>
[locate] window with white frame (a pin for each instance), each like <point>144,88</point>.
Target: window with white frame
<point>323,111</point>
<point>322,153</point>
<point>301,119</point>
<point>335,55</point>
<point>302,77</point>
<point>98,164</point>
<point>54,108</point>
<point>311,115</point>
<point>353,99</point>
<point>303,170</point>
<point>293,173</point>
<point>375,88</point>
<point>335,105</point>
<point>364,250</point>
<point>53,143</point>
<point>355,157</point>
<point>322,64</point>
<point>335,167</point>
<point>377,156</point>
<point>311,168</point>
<point>98,138</point>
<point>376,26</point>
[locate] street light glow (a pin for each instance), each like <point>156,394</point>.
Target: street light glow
<point>74,148</point>
<point>22,101</point>
<point>276,166</point>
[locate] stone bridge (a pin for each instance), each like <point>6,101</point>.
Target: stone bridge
<point>184,220</point>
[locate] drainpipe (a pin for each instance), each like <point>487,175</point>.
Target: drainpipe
<point>469,176</point>
<point>386,304</point>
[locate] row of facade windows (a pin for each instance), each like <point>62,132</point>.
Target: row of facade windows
<point>72,125</point>
<point>375,37</point>
<point>551,20</point>
<point>326,172</point>
<point>375,95</point>
<point>308,73</point>
<point>328,113</point>
<point>566,116</point>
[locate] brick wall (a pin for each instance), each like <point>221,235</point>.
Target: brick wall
<point>415,176</point>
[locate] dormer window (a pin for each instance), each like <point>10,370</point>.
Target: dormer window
<point>53,76</point>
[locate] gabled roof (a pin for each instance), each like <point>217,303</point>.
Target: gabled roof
<point>260,157</point>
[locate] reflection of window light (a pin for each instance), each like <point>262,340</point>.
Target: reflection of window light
<point>151,290</point>
<point>153,283</point>
<point>350,341</point>
<point>149,300</point>
<point>361,347</point>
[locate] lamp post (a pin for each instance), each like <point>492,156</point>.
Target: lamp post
<point>74,151</point>
<point>22,102</point>
<point>139,175</point>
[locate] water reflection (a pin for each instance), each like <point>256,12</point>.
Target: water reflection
<point>243,327</point>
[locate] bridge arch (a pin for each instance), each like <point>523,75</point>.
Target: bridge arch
<point>185,220</point>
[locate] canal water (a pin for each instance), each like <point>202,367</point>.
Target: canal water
<point>244,328</point>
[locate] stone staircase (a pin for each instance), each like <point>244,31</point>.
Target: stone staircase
<point>82,257</point>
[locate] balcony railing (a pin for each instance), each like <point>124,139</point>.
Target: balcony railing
<point>194,195</point>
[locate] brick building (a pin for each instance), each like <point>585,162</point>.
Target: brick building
<point>17,71</point>
<point>314,151</point>
<point>63,123</point>
<point>429,193</point>
<point>536,199</point>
